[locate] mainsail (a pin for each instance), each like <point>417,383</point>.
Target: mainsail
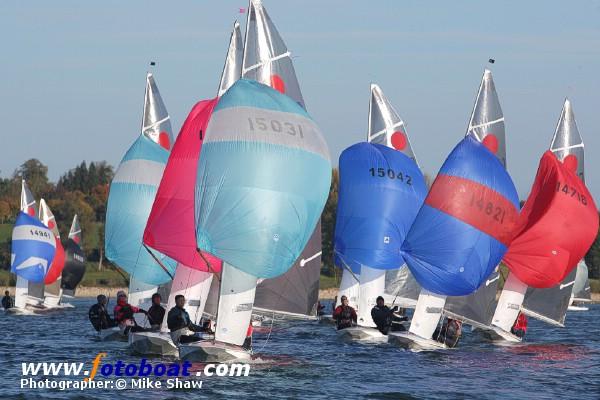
<point>258,221</point>
<point>267,60</point>
<point>132,193</point>
<point>550,305</point>
<point>486,125</point>
<point>75,264</point>
<point>462,230</point>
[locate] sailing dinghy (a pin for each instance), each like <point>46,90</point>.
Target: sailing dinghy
<point>264,217</point>
<point>458,237</point>
<point>130,199</point>
<point>487,126</point>
<point>29,259</point>
<point>74,269</point>
<point>380,192</point>
<point>557,225</point>
<point>171,225</point>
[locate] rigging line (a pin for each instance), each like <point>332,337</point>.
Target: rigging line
<point>158,261</point>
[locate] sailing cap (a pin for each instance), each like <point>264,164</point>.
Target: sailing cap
<point>121,293</point>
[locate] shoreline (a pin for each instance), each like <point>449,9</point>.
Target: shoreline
<point>93,291</point>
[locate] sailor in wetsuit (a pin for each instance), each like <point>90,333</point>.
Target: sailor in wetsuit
<point>7,301</point>
<point>383,317</point>
<point>98,314</point>
<point>450,332</point>
<point>156,313</point>
<point>344,315</point>
<point>180,325</point>
<point>124,314</point>
<point>519,328</point>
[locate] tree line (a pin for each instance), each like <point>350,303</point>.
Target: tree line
<point>83,190</point>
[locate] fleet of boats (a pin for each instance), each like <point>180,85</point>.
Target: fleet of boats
<point>227,214</point>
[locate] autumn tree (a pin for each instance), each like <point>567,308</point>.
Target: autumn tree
<point>328,225</point>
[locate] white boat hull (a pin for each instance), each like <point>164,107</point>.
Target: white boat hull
<point>410,341</point>
<point>361,333</point>
<point>152,343</point>
<point>212,351</point>
<point>112,334</point>
<point>499,336</point>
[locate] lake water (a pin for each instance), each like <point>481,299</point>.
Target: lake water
<point>304,360</point>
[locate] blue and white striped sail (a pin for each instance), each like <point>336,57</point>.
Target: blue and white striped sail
<point>32,248</point>
<point>263,179</point>
<point>132,193</point>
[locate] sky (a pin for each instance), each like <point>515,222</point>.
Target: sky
<point>72,74</point>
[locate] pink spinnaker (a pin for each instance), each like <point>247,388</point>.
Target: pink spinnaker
<point>171,227</point>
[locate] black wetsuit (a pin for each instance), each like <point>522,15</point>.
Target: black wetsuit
<point>100,318</point>
<point>7,302</point>
<point>156,313</point>
<point>383,318</point>
<point>177,319</point>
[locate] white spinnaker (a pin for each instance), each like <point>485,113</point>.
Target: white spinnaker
<point>194,286</point>
<point>236,298</point>
<point>140,295</point>
<point>372,285</point>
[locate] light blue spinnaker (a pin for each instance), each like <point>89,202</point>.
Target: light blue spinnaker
<point>263,179</point>
<point>132,193</point>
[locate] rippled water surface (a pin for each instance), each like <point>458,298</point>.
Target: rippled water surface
<point>304,360</point>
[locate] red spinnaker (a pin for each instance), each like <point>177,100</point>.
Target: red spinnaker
<point>58,263</point>
<point>171,227</point>
<point>556,227</point>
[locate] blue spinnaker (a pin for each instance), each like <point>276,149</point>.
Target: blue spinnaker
<point>132,193</point>
<point>32,249</point>
<point>466,223</point>
<point>380,192</point>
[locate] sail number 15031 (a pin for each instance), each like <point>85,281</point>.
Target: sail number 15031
<point>273,125</point>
